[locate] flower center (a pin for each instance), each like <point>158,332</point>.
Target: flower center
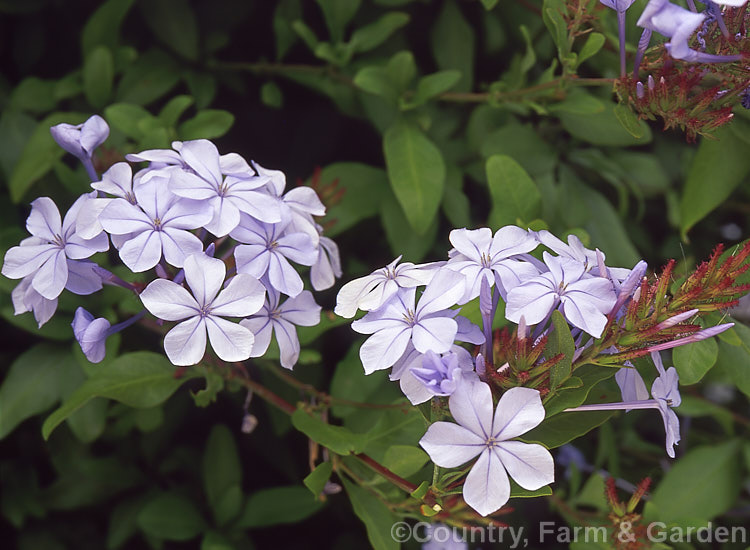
<point>59,242</point>
<point>486,260</point>
<point>157,224</point>
<point>491,442</point>
<point>205,310</point>
<point>275,314</point>
<point>409,317</point>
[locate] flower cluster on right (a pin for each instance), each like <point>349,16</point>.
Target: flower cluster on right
<point>694,79</point>
<point>569,309</point>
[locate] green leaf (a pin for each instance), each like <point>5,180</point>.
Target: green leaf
<point>338,14</point>
<point>435,84</point>
<point>578,102</point>
<point>286,12</point>
<point>701,485</point>
<point>221,467</point>
<point>452,42</point>
<point>173,110</point>
<point>524,145</point>
<point>31,385</point>
<point>373,35</point>
<point>98,75</point>
<point>402,239</point>
<point>270,94</point>
<point>140,379</point>
<point>405,460</point>
<point>725,162</point>
<point>514,194</point>
<point>489,4</point>
<point>734,360</point>
<point>516,491</point>
<point>34,95</point>
<point>401,70</point>
<point>376,80</point>
<point>215,541</point>
<point>207,124</point>
<point>202,87</point>
<point>376,516</point>
<point>16,128</point>
<point>151,77</point>
<point>565,427</point>
<point>39,155</point>
<point>336,438</point>
<point>417,173</point>
<point>278,506</point>
<point>555,22</point>
<point>560,341</point>
<point>317,479</point>
<point>629,121</point>
<point>591,47</point>
<point>206,396</point>
<point>171,517</point>
<point>603,128</point>
<point>572,395</point>
<point>693,361</point>
<point>103,28</point>
<point>173,22</point>
<point>455,205</point>
<point>127,118</point>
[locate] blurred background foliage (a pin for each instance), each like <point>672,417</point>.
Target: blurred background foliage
<point>426,115</point>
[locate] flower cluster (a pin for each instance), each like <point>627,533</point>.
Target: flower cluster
<point>608,315</point>
<point>170,218</point>
<point>698,95</point>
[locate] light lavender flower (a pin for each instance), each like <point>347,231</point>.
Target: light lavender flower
<point>327,268</point>
<point>429,325</point>
<point>480,255</point>
<point>665,393</point>
<point>82,140</point>
<point>159,225</point>
<point>584,301</point>
<point>280,319</point>
<point>53,242</point>
<point>480,433</point>
<point>268,248</point>
<point>228,196</point>
<point>203,311</point>
<point>371,292</point>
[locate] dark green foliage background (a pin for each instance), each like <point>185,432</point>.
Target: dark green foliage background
<point>425,112</point>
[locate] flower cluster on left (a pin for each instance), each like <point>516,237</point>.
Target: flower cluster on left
<point>226,228</point>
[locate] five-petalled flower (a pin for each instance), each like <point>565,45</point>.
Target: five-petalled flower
<point>204,310</point>
<point>481,433</point>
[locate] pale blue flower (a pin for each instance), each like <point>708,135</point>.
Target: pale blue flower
<point>202,311</point>
<point>267,249</point>
<point>53,243</point>
<point>479,432</point>
<point>429,325</point>
<point>158,225</point>
<point>281,320</point>
<point>82,140</point>
<point>479,255</point>
<point>582,299</point>
<point>371,292</point>
<point>228,196</point>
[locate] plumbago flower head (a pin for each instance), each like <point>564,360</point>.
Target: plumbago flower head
<point>162,219</point>
<point>699,92</point>
<point>571,310</point>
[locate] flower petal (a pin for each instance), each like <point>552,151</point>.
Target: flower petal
<point>450,445</point>
<point>168,300</point>
<point>434,334</point>
<point>230,341</point>
<point>471,406</point>
<point>487,487</point>
<point>243,296</point>
<point>185,344</point>
<point>529,464</point>
<point>383,349</point>
<point>518,411</point>
<point>204,276</point>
